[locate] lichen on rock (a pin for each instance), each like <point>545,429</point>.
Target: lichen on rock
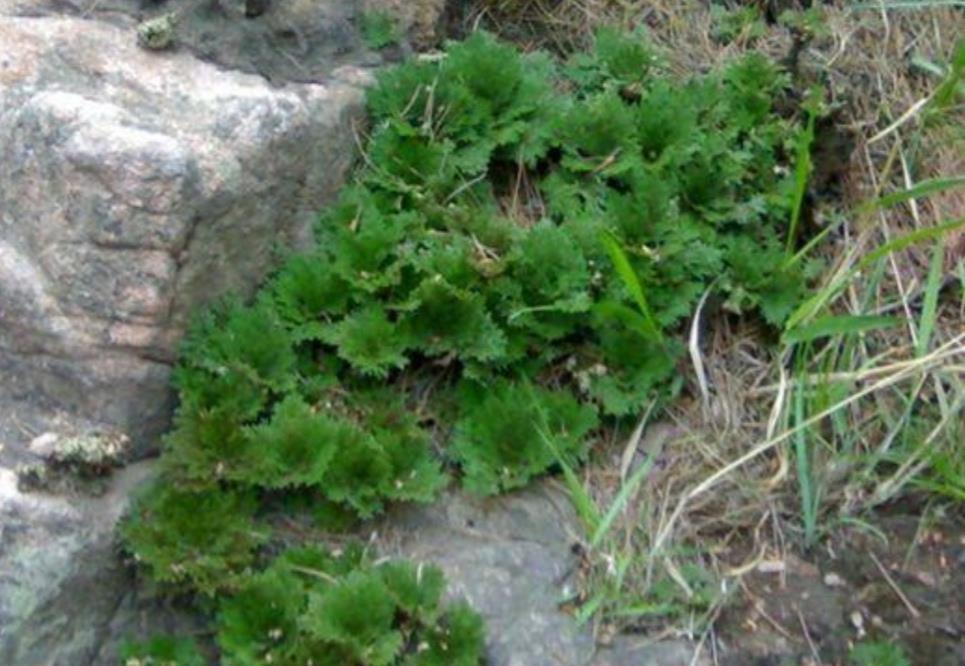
<point>157,34</point>
<point>73,462</point>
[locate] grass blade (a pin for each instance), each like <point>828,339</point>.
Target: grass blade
<point>582,501</point>
<point>632,283</point>
<point>815,303</point>
<point>838,325</point>
<point>620,502</point>
<point>929,309</point>
<point>802,173</point>
<point>910,239</point>
<point>805,478</point>
<point>922,189</point>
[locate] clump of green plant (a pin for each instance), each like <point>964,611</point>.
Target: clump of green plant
<point>521,243</point>
<point>161,651</point>
<point>311,606</point>
<point>378,29</point>
<point>731,23</point>
<point>877,653</point>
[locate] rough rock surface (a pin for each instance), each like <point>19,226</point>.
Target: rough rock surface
<point>135,186</point>
<point>511,557</point>
<point>281,40</point>
<point>60,578</point>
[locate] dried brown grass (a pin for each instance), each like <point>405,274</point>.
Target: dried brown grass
<point>725,482</point>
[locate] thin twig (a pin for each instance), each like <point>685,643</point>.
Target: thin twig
<point>915,613</point>
<point>807,636</point>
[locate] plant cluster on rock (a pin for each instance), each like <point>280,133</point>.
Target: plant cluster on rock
<point>521,244</point>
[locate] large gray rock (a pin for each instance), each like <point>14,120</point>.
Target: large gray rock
<point>134,187</point>
<point>512,558</point>
<point>60,578</point>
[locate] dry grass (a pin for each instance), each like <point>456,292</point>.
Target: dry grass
<point>726,485</point>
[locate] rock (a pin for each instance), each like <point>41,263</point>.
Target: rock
<point>135,187</point>
<point>512,558</point>
<point>61,581</point>
<point>281,40</point>
<point>629,651</point>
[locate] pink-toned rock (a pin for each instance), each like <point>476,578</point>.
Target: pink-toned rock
<point>135,187</point>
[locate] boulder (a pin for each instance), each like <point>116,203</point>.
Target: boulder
<point>61,581</point>
<point>513,557</point>
<point>135,187</point>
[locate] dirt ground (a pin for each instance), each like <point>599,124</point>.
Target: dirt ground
<point>813,608</point>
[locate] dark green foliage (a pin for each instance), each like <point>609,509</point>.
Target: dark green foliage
<point>877,653</point>
<point>517,257</point>
<point>378,29</point>
<point>312,607</point>
<point>196,539</point>
<point>294,448</point>
<point>161,651</point>
<point>501,443</point>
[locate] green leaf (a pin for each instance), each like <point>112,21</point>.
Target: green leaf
<point>357,614</point>
<point>293,449</point>
<point>632,283</point>
<point>926,324</point>
<point>499,439</point>
<point>922,189</point>
<point>369,341</point>
<point>832,325</point>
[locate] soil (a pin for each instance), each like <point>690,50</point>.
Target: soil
<point>899,582</point>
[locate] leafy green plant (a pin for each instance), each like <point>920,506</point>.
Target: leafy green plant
<point>742,21</point>
<point>378,29</point>
<point>201,540</point>
<point>876,653</point>
<point>311,606</point>
<point>522,241</point>
<point>498,443</point>
<point>161,651</point>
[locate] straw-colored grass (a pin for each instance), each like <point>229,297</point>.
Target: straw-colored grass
<point>780,443</point>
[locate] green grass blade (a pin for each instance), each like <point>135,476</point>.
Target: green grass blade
<point>582,501</point>
<point>620,501</point>
<point>951,87</point>
<point>630,280</point>
<point>590,608</point>
<point>814,242</point>
<point>888,5</point>
<point>910,239</point>
<point>804,472</point>
<point>929,309</point>
<point>838,325</point>
<point>802,173</point>
<point>922,189</point>
<point>815,303</point>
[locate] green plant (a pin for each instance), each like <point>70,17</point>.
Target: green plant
<point>876,653</point>
<point>378,29</point>
<point>521,243</point>
<point>161,651</point>
<point>311,606</point>
<point>738,22</point>
<point>202,540</point>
